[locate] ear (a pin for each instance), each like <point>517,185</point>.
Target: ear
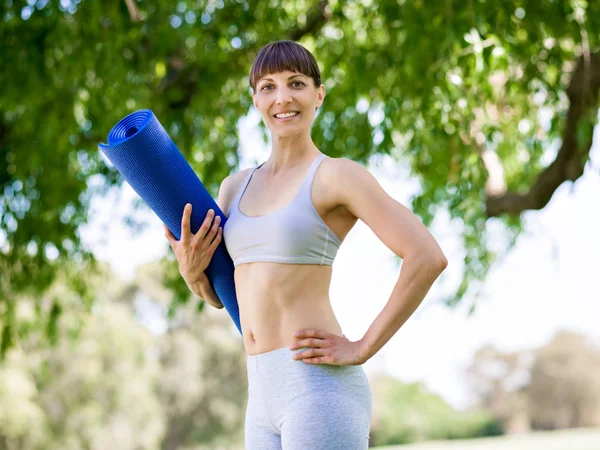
<point>320,95</point>
<point>254,100</point>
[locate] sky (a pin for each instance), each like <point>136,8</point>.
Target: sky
<point>548,282</point>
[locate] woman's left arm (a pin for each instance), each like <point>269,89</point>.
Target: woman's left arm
<point>404,234</point>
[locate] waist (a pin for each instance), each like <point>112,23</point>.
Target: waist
<point>276,300</point>
<point>281,360</point>
<point>270,326</point>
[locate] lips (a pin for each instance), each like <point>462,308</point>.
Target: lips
<point>286,115</point>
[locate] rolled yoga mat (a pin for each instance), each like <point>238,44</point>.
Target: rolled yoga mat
<point>142,151</point>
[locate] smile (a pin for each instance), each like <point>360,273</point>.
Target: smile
<point>287,116</point>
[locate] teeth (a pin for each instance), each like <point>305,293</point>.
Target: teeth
<point>283,116</point>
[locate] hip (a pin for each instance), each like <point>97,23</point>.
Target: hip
<point>287,379</point>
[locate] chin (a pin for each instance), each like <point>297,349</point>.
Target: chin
<point>283,131</point>
<point>287,133</point>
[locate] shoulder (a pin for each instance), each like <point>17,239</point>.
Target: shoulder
<point>234,180</point>
<point>229,188</point>
<point>341,167</point>
<point>346,177</point>
<point>352,186</point>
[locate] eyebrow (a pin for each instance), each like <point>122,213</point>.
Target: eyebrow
<point>289,78</point>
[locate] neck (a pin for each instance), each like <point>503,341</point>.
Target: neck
<point>290,151</point>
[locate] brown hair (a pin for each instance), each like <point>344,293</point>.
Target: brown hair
<point>280,56</point>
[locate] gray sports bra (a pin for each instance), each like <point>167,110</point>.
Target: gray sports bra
<point>294,234</point>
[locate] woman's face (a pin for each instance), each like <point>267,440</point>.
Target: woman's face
<point>287,102</point>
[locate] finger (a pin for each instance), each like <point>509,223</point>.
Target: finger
<point>205,227</point>
<point>311,353</point>
<point>215,228</point>
<point>186,232</point>
<point>216,241</point>
<point>172,240</point>
<point>310,342</point>
<point>317,360</point>
<point>168,233</point>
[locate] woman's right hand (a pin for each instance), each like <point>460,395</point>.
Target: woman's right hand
<point>194,251</point>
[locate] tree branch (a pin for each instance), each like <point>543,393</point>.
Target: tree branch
<point>572,156</point>
<point>134,13</point>
<point>315,20</point>
<point>184,76</point>
<point>4,175</point>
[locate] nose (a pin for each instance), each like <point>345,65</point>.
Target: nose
<point>283,96</point>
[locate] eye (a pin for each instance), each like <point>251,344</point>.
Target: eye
<point>298,84</point>
<point>265,86</point>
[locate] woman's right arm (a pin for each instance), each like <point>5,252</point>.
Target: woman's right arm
<point>204,291</point>
<point>229,187</point>
<point>201,287</point>
<point>194,251</point>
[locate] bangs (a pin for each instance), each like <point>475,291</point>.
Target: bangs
<point>281,56</point>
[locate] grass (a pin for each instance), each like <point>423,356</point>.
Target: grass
<point>579,439</point>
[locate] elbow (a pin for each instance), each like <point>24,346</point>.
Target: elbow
<point>433,260</point>
<point>442,262</point>
<point>218,305</point>
<point>437,260</point>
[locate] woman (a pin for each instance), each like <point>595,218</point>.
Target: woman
<point>286,220</point>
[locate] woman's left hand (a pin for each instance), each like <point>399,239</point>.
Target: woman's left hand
<point>327,348</point>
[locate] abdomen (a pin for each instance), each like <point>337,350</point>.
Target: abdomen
<point>275,300</point>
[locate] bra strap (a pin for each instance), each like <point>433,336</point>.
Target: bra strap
<point>242,190</point>
<point>310,175</point>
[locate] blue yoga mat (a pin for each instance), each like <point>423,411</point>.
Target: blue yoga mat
<point>142,151</point>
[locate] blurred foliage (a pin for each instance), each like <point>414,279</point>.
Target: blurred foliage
<point>137,377</point>
<point>428,83</point>
<point>552,387</point>
<point>405,413</point>
<point>134,379</point>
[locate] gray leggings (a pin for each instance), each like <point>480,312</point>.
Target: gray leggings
<point>293,405</point>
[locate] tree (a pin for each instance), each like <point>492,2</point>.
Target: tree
<point>96,391</point>
<point>565,390</point>
<point>203,384</point>
<point>552,387</point>
<point>500,381</point>
<point>404,413</point>
<point>118,385</point>
<point>491,103</point>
